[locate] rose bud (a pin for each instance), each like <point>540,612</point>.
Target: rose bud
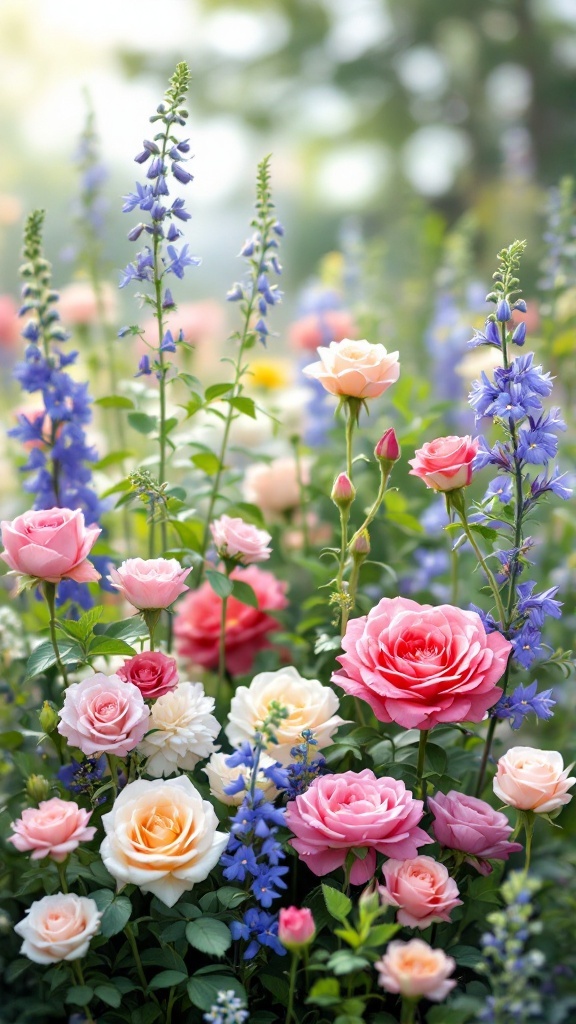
<point>296,928</point>
<point>343,491</point>
<point>388,449</point>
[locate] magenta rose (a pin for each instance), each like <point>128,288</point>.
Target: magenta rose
<point>417,665</point>
<point>446,463</point>
<point>50,544</point>
<point>354,810</point>
<point>240,541</point>
<point>470,825</point>
<point>53,829</point>
<point>197,623</point>
<point>152,672</point>
<point>421,888</point>
<point>104,715</point>
<point>150,582</point>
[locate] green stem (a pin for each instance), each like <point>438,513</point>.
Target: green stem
<point>171,997</point>
<point>485,755</point>
<point>112,765</point>
<point>342,595</point>
<point>292,989</point>
<point>50,595</point>
<point>162,368</point>
<point>79,974</point>
<point>408,1015</point>
<point>302,494</point>
<point>384,477</point>
<point>137,962</point>
<point>421,762</point>
<point>222,648</point>
<point>529,820</point>
<point>351,416</point>
<point>62,875</point>
<point>461,513</point>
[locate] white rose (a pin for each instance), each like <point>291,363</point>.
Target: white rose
<point>58,927</point>
<point>310,705</point>
<point>220,776</point>
<point>533,780</point>
<point>273,486</point>
<point>162,836</point>
<point>186,730</point>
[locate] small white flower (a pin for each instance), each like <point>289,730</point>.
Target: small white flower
<point>185,730</point>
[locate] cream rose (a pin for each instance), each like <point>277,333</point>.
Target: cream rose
<point>183,730</point>
<point>58,927</point>
<point>221,775</point>
<point>355,369</point>
<point>162,837</point>
<point>310,705</point>
<point>414,969</point>
<point>533,780</point>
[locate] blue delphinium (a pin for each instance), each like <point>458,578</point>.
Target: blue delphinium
<point>303,768</point>
<point>258,292</point>
<point>82,776</point>
<point>525,699</point>
<point>59,454</point>
<point>228,1009</point>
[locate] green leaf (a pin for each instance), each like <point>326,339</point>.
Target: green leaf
<point>216,391</point>
<point>130,630</point>
<point>168,979</point>
<point>43,656</point>
<point>230,897</point>
<point>344,962</point>
<point>243,592</point>
<point>11,740</point>
<point>166,958</point>
<point>325,992</point>
<point>209,936</point>
<point>337,904</point>
<point>203,989</point>
<point>116,911</point>
<point>448,1015</point>
<point>381,934</point>
<point>16,968</point>
<point>245,405</point>
<point>113,459</point>
<point>220,583</point>
<point>79,995</point>
<point>143,423</point>
<point>249,513</point>
<point>114,402</point>
<point>109,645</point>
<point>190,532</point>
<point>207,462</point>
<point>109,995</point>
<point>467,956</point>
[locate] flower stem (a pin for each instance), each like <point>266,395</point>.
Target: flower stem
<point>61,866</point>
<point>222,648</point>
<point>485,755</point>
<point>292,989</point>
<point>78,972</point>
<point>137,962</point>
<point>302,494</point>
<point>351,419</point>
<point>460,509</point>
<point>384,477</point>
<point>408,1011</point>
<point>421,762</point>
<point>528,820</point>
<point>50,595</point>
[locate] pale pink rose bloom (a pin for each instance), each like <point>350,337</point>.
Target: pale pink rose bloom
<point>153,672</point>
<point>103,715</point>
<point>58,927</point>
<point>446,463</point>
<point>243,542</point>
<point>316,329</point>
<point>53,829</point>
<point>533,780</point>
<point>419,665</point>
<point>79,303</point>
<point>465,823</point>
<point>339,813</point>
<point>162,836</point>
<point>355,369</point>
<point>296,927</point>
<point>50,544</point>
<point>198,321</point>
<point>273,486</point>
<point>414,970</point>
<point>423,890</point>
<point>150,582</point>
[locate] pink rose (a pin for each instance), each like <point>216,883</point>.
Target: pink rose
<point>422,888</point>
<point>235,539</point>
<point>533,780</point>
<point>80,304</point>
<point>58,927</point>
<point>470,825</point>
<point>197,623</point>
<point>53,829</point>
<point>50,544</point>
<point>417,665</point>
<point>296,927</point>
<point>152,672</point>
<point>150,582</point>
<point>340,813</point>
<point>413,969</point>
<point>102,714</point>
<point>446,463</point>
<point>355,369</point>
<point>316,329</point>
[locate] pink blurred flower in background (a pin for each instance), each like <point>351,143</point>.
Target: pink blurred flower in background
<point>317,329</point>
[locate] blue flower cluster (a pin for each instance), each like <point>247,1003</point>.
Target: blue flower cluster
<point>165,155</point>
<point>525,699</point>
<point>59,454</point>
<point>303,770</point>
<point>228,1009</point>
<point>82,776</point>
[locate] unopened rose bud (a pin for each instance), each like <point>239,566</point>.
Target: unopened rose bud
<point>360,545</point>
<point>388,449</point>
<point>369,900</point>
<point>37,788</point>
<point>343,491</point>
<point>296,927</point>
<point>48,717</point>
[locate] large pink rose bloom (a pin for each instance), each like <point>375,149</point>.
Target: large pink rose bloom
<point>103,715</point>
<point>50,544</point>
<point>339,813</point>
<point>355,369</point>
<point>150,582</point>
<point>417,665</point>
<point>53,829</point>
<point>446,463</point>
<point>422,889</point>
<point>197,623</point>
<point>465,823</point>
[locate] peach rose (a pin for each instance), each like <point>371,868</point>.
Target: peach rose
<point>53,829</point>
<point>310,705</point>
<point>221,775</point>
<point>355,369</point>
<point>273,486</point>
<point>50,544</point>
<point>533,780</point>
<point>423,890</point>
<point>243,542</point>
<point>150,582</point>
<point>446,463</point>
<point>102,714</point>
<point>162,837</point>
<point>413,969</point>
<point>58,927</point>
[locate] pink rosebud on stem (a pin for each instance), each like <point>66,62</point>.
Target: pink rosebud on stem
<point>388,450</point>
<point>296,928</point>
<point>343,491</point>
<point>360,545</point>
